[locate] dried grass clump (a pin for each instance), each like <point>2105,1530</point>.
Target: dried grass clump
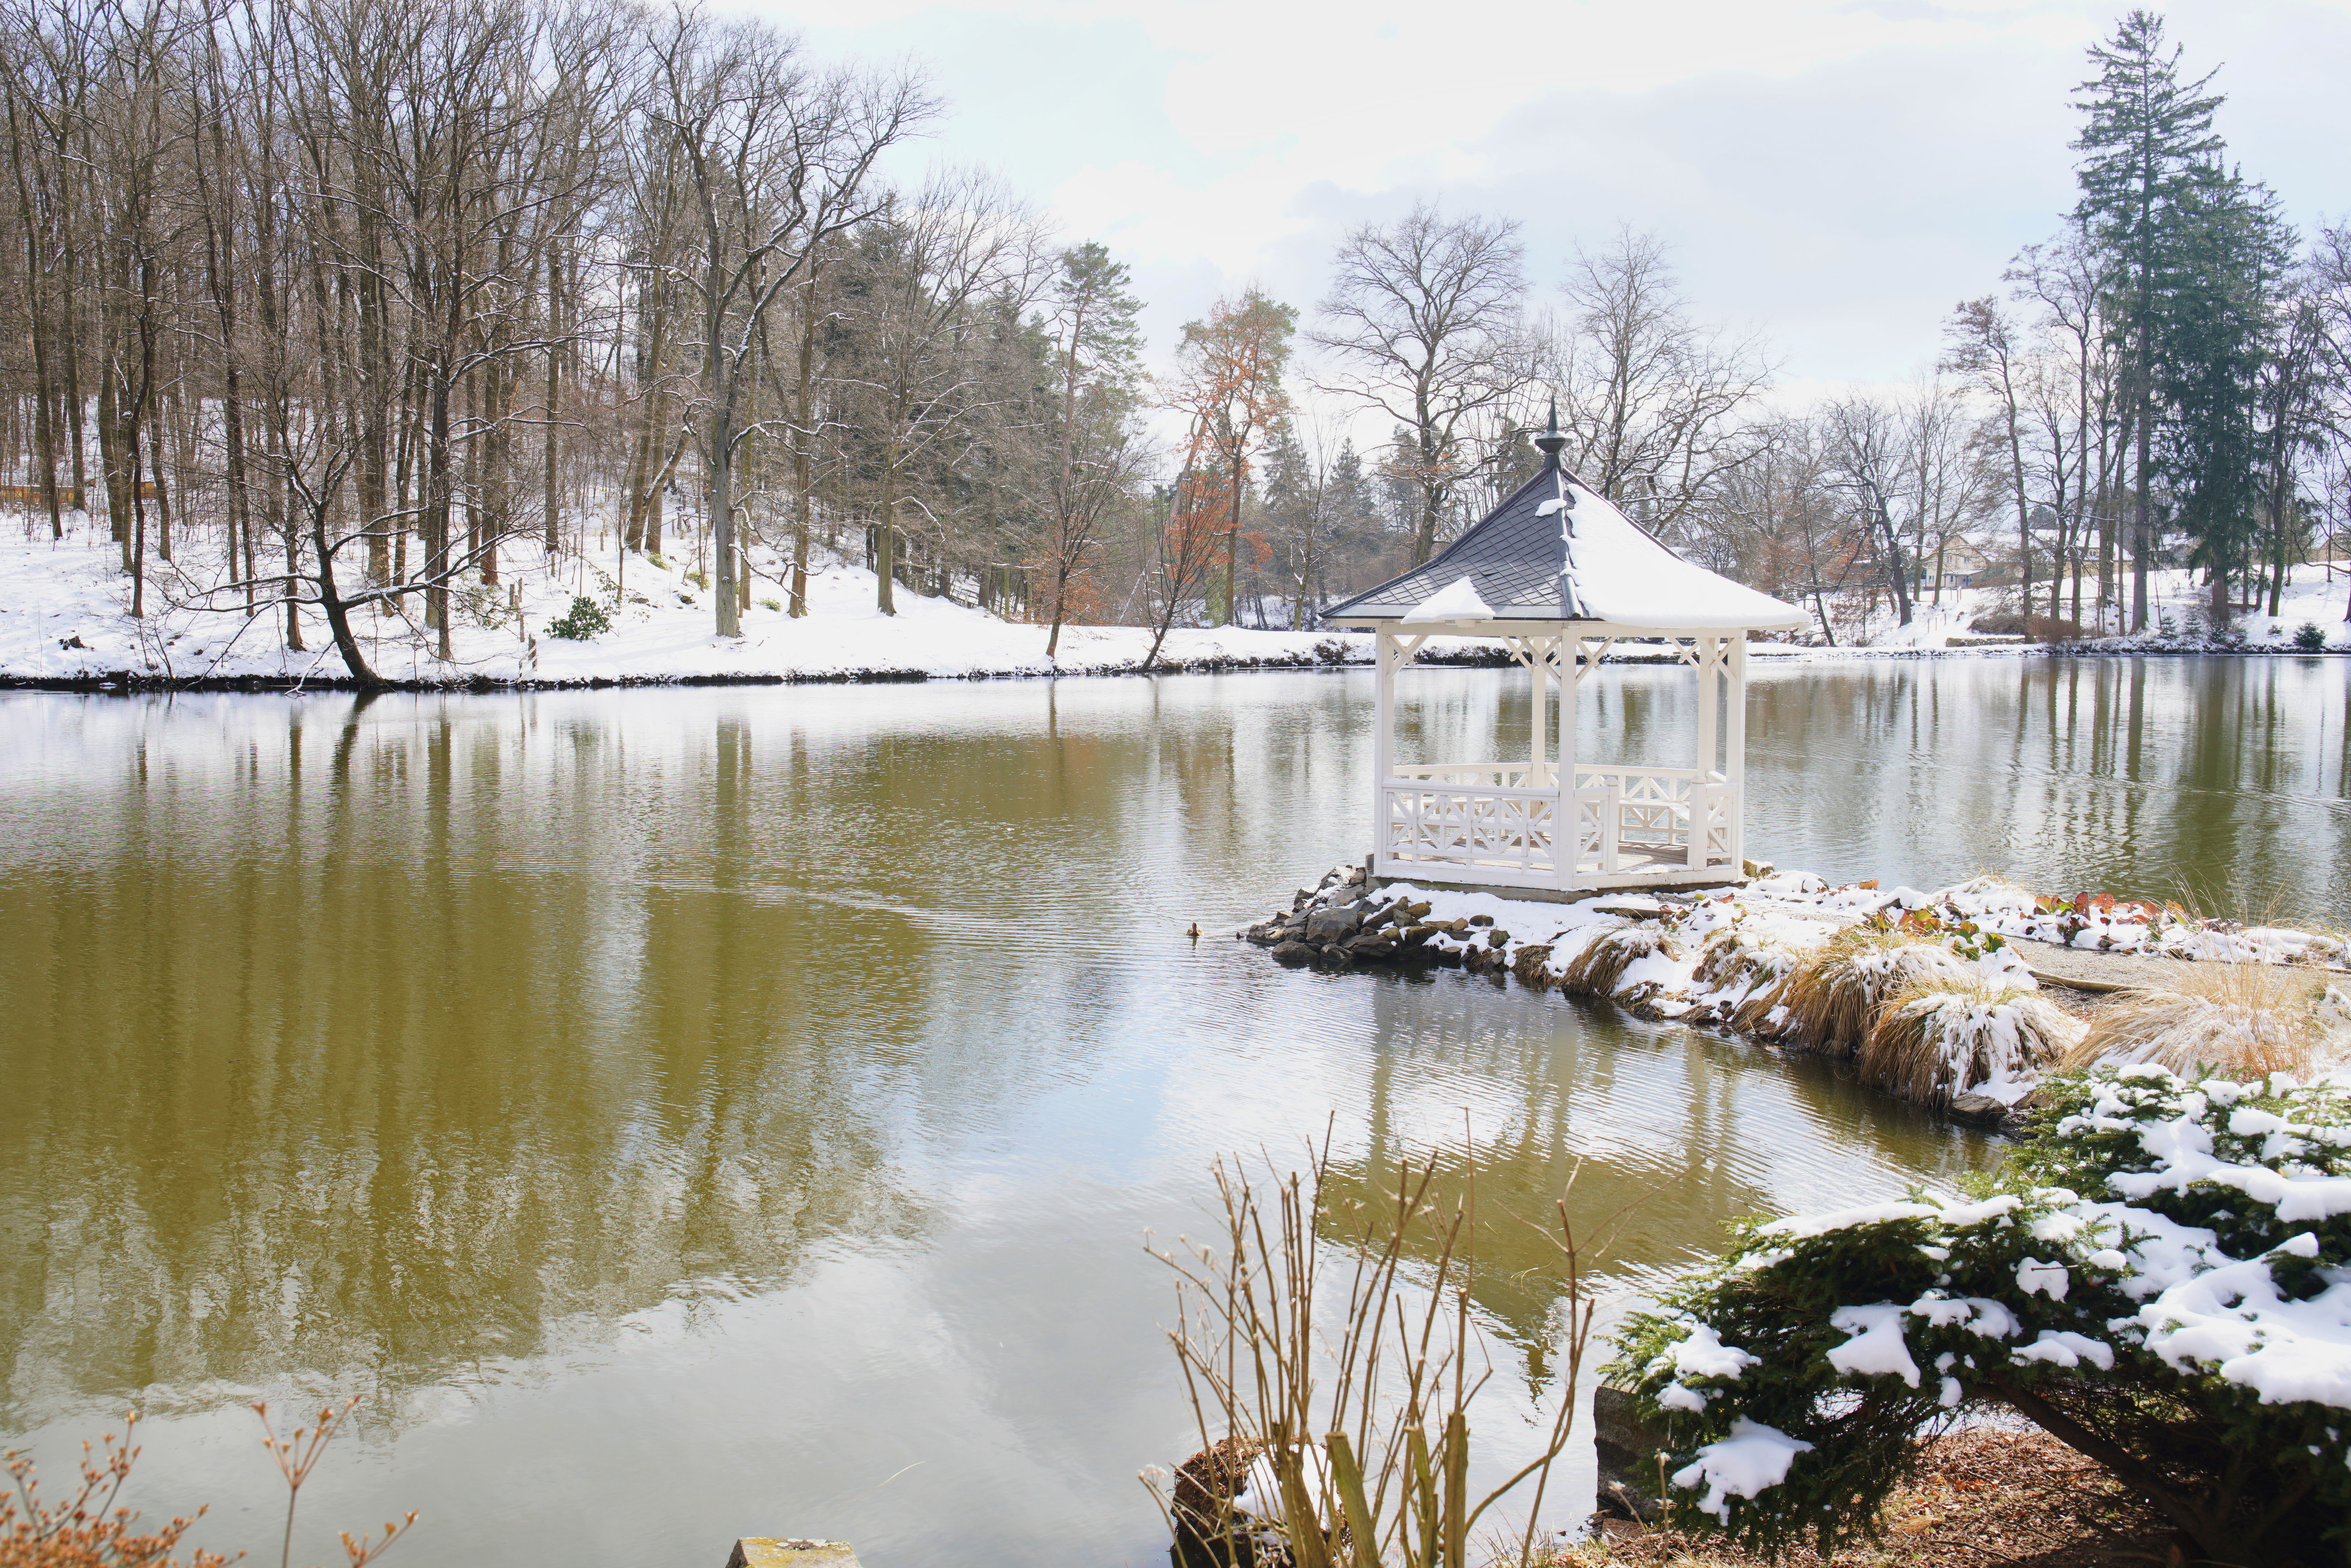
<point>1599,970</point>
<point>2243,1019</point>
<point>1936,1040</point>
<point>1835,996</point>
<point>1742,964</point>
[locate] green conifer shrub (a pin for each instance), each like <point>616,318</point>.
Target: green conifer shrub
<point>2162,1281</point>
<point>582,622</point>
<point>2310,637</point>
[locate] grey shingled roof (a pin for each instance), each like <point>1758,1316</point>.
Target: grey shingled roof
<point>1514,557</point>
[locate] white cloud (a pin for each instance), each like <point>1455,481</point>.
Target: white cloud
<point>1839,172</point>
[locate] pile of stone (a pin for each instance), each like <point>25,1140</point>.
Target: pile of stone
<point>1344,921</point>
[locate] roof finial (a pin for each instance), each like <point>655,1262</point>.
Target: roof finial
<point>1551,441</point>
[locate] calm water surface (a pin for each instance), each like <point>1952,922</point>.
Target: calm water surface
<point>715,1111</point>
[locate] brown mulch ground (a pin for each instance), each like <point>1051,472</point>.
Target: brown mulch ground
<point>1982,1500</point>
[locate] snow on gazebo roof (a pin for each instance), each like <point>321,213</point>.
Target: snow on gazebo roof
<point>1557,550</point>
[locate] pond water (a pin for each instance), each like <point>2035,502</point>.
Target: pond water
<point>694,1113</point>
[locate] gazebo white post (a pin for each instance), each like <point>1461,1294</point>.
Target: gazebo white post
<point>1384,645</point>
<point>1709,717</point>
<point>1568,836</point>
<point>1537,715</point>
<point>1734,763</point>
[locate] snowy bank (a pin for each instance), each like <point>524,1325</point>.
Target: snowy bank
<point>65,622</point>
<point>1933,994</point>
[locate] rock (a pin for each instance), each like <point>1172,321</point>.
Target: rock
<point>1292,953</point>
<point>1418,933</point>
<point>1633,908</point>
<point>1481,920</point>
<point>1616,1422</point>
<point>1626,1448</point>
<point>1977,1110</point>
<point>1497,939</point>
<point>1264,936</point>
<point>1335,956</point>
<point>1371,947</point>
<point>1417,911</point>
<point>1331,925</point>
<point>776,1552</point>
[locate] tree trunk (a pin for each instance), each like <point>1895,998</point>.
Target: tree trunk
<point>803,442</point>
<point>554,516</point>
<point>1233,542</point>
<point>339,620</point>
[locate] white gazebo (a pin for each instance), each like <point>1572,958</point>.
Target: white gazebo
<point>1561,576</point>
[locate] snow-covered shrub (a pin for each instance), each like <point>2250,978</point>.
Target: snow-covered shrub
<point>2162,1281</point>
<point>2245,1019</point>
<point>1599,970</point>
<point>1829,1002</point>
<point>2310,637</point>
<point>582,622</point>
<point>1936,1040</point>
<point>1738,965</point>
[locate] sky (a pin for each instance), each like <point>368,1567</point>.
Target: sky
<point>1836,176</point>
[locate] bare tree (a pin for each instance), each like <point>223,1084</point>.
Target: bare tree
<point>930,265</point>
<point>1982,346</point>
<point>1426,310</point>
<point>1866,446</point>
<point>2073,394</point>
<point>1653,401</point>
<point>776,154</point>
<point>1946,488</point>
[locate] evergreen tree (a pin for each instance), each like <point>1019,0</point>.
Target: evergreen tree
<point>2234,252</point>
<point>2151,161</point>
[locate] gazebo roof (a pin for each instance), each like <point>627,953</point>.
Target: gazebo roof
<point>1531,558</point>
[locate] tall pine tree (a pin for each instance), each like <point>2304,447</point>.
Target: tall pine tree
<point>2151,156</point>
<point>2234,252</point>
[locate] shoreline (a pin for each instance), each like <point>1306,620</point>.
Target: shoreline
<point>1787,963</point>
<point>126,681</point>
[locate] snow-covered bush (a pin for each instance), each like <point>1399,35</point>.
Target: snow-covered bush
<point>2310,637</point>
<point>582,622</point>
<point>1830,999</point>
<point>1937,1040</point>
<point>2162,1281</point>
<point>1600,969</point>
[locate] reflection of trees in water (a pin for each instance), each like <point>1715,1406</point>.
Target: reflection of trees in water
<point>1668,1134</point>
<point>387,1101</point>
<point>1645,1124</point>
<point>2212,777</point>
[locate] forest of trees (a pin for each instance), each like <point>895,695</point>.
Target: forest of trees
<point>336,304</point>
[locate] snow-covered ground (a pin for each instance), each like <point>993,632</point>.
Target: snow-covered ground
<point>64,616</point>
<point>2177,602</point>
